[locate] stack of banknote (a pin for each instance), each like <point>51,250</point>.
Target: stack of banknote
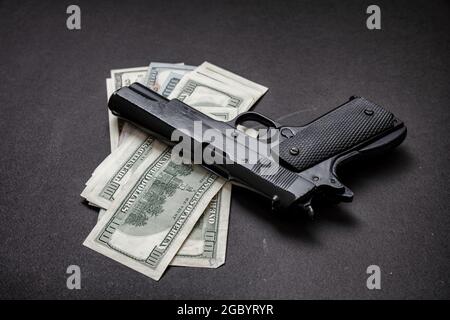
<point>154,212</point>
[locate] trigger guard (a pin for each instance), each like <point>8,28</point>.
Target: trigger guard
<point>254,116</point>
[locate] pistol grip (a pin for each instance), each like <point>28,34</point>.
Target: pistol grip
<point>354,128</point>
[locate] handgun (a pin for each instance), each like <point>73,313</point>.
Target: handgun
<point>307,156</point>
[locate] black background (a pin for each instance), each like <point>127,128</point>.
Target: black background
<point>312,55</point>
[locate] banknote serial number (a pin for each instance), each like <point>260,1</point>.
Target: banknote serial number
<point>226,309</point>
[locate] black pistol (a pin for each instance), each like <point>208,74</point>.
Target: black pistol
<point>306,157</point>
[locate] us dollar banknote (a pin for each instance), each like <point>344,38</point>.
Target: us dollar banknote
<point>154,214</point>
<point>170,83</point>
<point>122,131</point>
<point>207,243</point>
<point>120,78</point>
<point>158,73</point>
<point>107,180</point>
<point>217,92</point>
<point>213,91</point>
<point>205,246</point>
<point>153,76</point>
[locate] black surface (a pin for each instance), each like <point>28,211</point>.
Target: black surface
<point>312,55</point>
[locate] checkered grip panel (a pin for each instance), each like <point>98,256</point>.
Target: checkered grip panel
<point>349,125</point>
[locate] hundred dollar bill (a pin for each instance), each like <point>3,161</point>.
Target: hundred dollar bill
<point>210,70</point>
<point>170,83</point>
<point>169,74</point>
<point>211,94</point>
<point>120,78</point>
<point>116,169</point>
<point>146,226</point>
<point>207,243</point>
<point>156,74</point>
<point>212,90</point>
<point>203,249</point>
<point>159,72</point>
